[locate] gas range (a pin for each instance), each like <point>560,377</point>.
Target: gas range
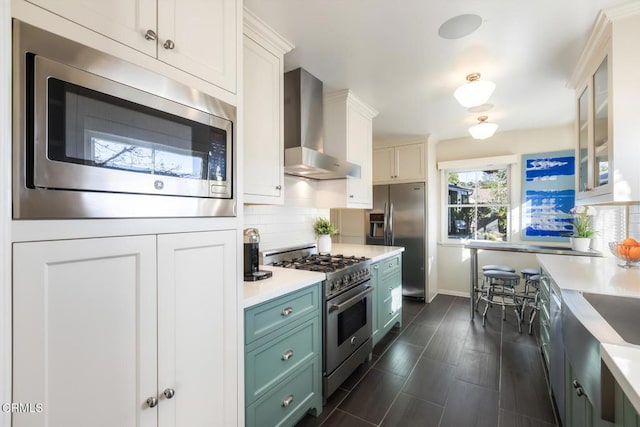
<point>342,271</point>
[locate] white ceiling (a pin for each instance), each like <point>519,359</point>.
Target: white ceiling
<point>388,52</point>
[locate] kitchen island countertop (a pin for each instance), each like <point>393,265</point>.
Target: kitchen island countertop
<point>602,276</point>
<point>283,281</point>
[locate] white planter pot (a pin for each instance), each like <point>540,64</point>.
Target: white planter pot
<point>580,244</point>
<point>324,244</point>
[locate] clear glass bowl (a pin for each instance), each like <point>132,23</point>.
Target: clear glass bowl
<point>628,256</point>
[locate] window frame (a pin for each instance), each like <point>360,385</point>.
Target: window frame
<point>473,167</point>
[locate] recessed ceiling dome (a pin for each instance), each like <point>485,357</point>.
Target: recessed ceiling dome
<point>460,26</point>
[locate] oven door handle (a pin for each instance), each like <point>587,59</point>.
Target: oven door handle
<point>351,301</point>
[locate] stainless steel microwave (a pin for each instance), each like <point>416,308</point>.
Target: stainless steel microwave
<point>99,137</point>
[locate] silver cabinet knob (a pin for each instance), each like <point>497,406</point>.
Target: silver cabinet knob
<point>150,35</point>
<point>287,311</point>
<point>287,401</point>
<point>287,355</point>
<point>169,44</point>
<point>169,393</point>
<point>278,187</point>
<point>351,196</point>
<point>152,402</point>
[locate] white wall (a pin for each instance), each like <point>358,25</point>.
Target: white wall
<point>290,224</point>
<point>453,259</point>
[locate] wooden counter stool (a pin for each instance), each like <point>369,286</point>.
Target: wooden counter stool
<point>483,285</point>
<point>501,290</point>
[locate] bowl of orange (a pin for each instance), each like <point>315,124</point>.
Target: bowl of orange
<point>627,252</point>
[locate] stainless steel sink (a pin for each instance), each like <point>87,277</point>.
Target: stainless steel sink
<point>621,313</point>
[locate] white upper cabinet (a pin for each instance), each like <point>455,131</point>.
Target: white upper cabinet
<point>348,135</point>
<point>605,80</point>
<point>263,99</point>
<point>194,36</point>
<point>401,163</point>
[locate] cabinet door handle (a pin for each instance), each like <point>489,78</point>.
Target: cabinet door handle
<point>375,267</point>
<point>287,401</point>
<point>169,44</point>
<point>287,355</point>
<point>579,392</point>
<point>150,35</point>
<point>278,187</point>
<point>576,384</point>
<point>152,402</point>
<point>351,196</point>
<point>286,311</point>
<point>169,393</point>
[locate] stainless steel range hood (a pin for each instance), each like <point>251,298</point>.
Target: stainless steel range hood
<point>303,135</point>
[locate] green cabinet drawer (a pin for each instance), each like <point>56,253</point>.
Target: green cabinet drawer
<point>387,284</point>
<point>272,362</point>
<point>389,265</point>
<point>277,314</point>
<point>288,402</point>
<point>387,316</point>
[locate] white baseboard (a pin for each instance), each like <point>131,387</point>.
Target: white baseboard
<point>453,293</point>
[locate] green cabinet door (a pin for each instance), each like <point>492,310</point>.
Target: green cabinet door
<point>626,414</point>
<point>578,409</point>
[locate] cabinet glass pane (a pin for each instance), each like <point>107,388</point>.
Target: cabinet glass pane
<point>583,139</point>
<point>601,125</point>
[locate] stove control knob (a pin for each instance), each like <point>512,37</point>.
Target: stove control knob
<point>332,285</point>
<point>338,283</point>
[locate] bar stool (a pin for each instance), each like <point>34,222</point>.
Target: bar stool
<point>483,285</point>
<point>531,297</point>
<point>501,290</point>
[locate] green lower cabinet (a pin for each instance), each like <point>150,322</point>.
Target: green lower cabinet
<point>387,301</point>
<point>578,409</point>
<point>626,415</point>
<point>283,363</point>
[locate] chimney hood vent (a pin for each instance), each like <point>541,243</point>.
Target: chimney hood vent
<point>303,134</point>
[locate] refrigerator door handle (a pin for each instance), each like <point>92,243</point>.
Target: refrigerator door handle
<point>390,224</point>
<point>385,225</point>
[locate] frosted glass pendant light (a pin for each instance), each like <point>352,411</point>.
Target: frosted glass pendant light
<point>475,92</point>
<point>483,129</point>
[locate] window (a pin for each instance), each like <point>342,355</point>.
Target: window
<point>478,204</point>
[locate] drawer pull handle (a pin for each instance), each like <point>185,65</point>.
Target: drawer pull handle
<point>375,267</point>
<point>287,401</point>
<point>287,355</point>
<point>390,264</point>
<point>287,311</point>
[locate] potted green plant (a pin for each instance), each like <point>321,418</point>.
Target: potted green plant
<point>582,231</point>
<point>324,229</point>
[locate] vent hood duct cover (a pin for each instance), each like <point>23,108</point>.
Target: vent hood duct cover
<point>303,135</point>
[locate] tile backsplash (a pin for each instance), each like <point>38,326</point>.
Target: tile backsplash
<point>290,224</point>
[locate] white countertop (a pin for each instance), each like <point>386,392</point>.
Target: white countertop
<point>376,253</point>
<point>592,274</point>
<point>283,281</point>
<point>601,276</point>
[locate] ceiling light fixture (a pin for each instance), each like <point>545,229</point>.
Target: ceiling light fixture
<point>483,129</point>
<point>475,92</point>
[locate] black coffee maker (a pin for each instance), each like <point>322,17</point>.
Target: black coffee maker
<point>251,260</point>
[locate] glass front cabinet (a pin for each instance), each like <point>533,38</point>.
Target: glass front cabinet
<point>593,151</point>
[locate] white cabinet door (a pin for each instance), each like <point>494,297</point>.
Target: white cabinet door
<point>124,20</point>
<point>263,141</point>
<point>199,37</point>
<point>409,162</point>
<point>197,329</point>
<point>84,332</point>
<point>383,165</point>
<point>359,135</point>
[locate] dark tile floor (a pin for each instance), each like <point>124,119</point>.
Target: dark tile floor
<point>442,369</point>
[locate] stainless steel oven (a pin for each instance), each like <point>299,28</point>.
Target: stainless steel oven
<point>96,136</point>
<point>347,334</point>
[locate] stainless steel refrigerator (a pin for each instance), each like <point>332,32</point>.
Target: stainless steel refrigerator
<point>398,218</point>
